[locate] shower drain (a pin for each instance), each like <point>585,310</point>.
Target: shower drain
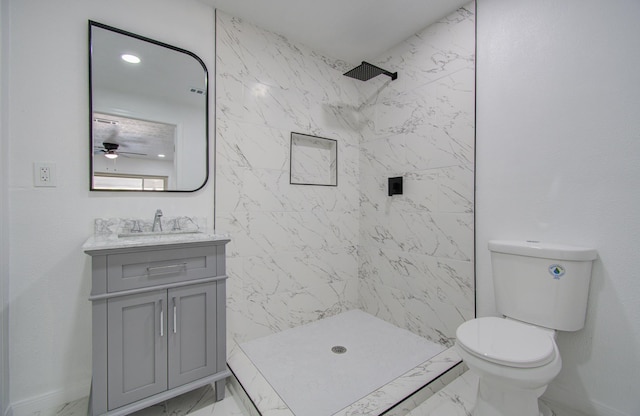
<point>338,349</point>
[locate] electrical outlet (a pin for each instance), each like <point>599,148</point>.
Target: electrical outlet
<point>44,174</point>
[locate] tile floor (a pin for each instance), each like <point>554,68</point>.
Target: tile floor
<point>200,402</point>
<point>456,399</point>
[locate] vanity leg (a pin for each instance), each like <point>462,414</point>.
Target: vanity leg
<point>220,389</point>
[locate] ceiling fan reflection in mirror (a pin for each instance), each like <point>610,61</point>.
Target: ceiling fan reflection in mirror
<point>111,151</point>
<point>133,137</point>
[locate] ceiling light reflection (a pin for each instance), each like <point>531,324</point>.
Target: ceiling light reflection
<point>132,59</point>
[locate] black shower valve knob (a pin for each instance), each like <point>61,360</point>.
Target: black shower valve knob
<point>395,186</point>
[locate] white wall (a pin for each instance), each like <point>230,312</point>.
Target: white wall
<point>4,214</point>
<point>50,320</point>
<point>558,159</point>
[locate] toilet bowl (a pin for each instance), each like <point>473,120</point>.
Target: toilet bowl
<point>539,288</point>
<point>514,361</point>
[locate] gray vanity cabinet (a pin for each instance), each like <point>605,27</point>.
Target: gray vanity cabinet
<point>158,324</point>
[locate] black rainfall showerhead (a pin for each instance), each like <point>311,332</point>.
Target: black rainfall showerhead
<point>365,71</point>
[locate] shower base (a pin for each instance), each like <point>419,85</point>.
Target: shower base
<point>349,364</point>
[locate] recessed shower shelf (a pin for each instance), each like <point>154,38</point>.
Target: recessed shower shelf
<point>314,160</point>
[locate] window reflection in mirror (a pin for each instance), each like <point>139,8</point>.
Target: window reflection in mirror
<point>129,182</point>
<point>149,113</point>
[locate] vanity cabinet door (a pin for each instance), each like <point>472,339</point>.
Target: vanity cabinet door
<point>192,333</point>
<point>137,347</point>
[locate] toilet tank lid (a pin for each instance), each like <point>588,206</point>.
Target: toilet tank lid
<point>543,250</point>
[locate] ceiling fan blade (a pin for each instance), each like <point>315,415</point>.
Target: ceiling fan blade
<point>132,153</point>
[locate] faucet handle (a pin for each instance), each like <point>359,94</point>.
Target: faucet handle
<point>136,227</point>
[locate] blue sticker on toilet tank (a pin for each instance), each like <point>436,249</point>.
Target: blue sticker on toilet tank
<point>557,271</point>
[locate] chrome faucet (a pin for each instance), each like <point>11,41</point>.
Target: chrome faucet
<point>157,222</point>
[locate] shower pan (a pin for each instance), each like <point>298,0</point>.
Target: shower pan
<point>350,364</point>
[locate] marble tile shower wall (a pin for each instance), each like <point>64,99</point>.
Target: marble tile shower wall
<point>300,253</point>
<point>293,255</point>
<point>416,250</point>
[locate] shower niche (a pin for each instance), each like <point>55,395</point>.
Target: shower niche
<point>314,160</point>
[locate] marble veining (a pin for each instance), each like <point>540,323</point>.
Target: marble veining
<point>301,253</point>
<point>114,227</point>
<point>451,395</point>
<point>199,402</point>
<point>416,250</point>
<point>293,255</point>
<point>116,233</point>
<point>458,398</point>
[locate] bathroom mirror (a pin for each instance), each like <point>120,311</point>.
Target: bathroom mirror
<point>148,114</point>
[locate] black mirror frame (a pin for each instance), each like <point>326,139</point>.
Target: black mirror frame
<point>175,48</point>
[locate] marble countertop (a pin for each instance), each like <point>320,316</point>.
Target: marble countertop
<point>113,242</point>
<point>123,233</point>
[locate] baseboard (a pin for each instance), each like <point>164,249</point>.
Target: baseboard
<point>571,401</point>
<point>46,404</point>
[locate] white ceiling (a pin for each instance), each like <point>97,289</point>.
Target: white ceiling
<point>352,30</point>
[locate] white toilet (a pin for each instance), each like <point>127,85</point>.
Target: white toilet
<point>539,288</point>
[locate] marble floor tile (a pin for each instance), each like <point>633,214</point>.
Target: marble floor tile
<point>457,399</point>
<point>76,408</point>
<point>199,402</point>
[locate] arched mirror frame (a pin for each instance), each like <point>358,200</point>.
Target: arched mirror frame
<point>93,24</point>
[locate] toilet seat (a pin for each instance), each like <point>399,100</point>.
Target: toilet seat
<point>506,342</point>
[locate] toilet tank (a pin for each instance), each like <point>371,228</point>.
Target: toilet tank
<point>541,283</point>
